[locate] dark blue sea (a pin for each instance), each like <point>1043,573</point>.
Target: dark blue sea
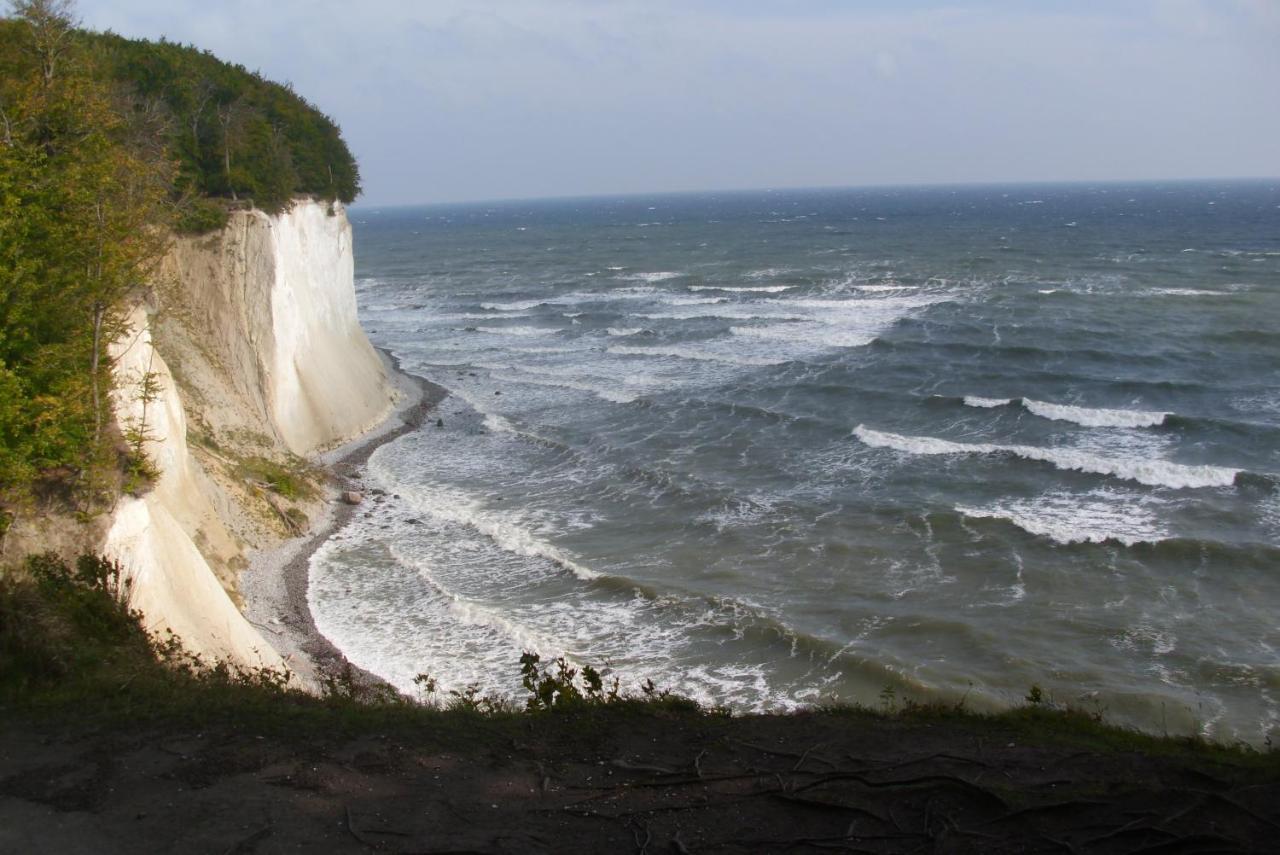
<point>775,449</point>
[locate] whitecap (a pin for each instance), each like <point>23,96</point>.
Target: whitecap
<point>522,331</point>
<point>657,276</point>
<point>611,395</point>
<point>1185,292</point>
<point>744,289</point>
<point>1154,473</point>
<point>546,350</point>
<point>1067,518</point>
<point>767,273</point>
<point>518,306</point>
<point>986,403</point>
<point>505,533</point>
<point>814,334</point>
<point>473,316</point>
<point>721,312</point>
<point>694,301</point>
<point>495,422</point>
<point>1094,417</point>
<point>624,331</point>
<point>693,354</point>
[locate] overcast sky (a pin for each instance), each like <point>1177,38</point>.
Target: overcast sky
<point>448,100</point>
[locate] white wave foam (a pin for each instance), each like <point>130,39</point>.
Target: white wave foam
<point>1154,473</point>
<point>1086,416</point>
<point>1066,518</point>
<point>721,312</point>
<point>693,301</point>
<point>457,508</point>
<point>817,334</point>
<point>546,350</point>
<point>745,289</point>
<point>518,306</point>
<point>693,354</point>
<point>1091,417</point>
<point>495,422</point>
<point>624,331</point>
<point>767,273</point>
<point>881,288</point>
<point>524,331</point>
<point>658,276</point>
<point>986,403</point>
<point>472,316</point>
<point>610,395</point>
<point>1185,292</point>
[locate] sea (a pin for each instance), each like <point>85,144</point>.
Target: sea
<point>784,449</point>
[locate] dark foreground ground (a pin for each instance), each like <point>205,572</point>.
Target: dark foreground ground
<point>630,778</point>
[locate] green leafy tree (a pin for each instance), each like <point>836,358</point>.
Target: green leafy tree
<point>106,145</point>
<point>83,209</point>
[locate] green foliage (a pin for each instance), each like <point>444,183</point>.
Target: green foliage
<point>140,471</point>
<point>561,687</point>
<point>83,202</point>
<point>107,145</point>
<point>200,215</point>
<point>341,684</point>
<point>57,622</point>
<point>469,700</point>
<point>234,134</point>
<point>293,480</point>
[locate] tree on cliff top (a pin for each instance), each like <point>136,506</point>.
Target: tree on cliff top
<point>234,134</point>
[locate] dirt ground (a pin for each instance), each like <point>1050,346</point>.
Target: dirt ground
<point>630,782</point>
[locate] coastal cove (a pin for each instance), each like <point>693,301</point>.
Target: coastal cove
<point>774,449</point>
<point>846,426</point>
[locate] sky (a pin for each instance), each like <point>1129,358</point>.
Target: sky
<point>455,100</point>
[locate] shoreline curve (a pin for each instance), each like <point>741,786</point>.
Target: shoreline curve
<point>274,586</point>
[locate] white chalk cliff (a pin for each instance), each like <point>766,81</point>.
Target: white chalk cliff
<point>258,324</point>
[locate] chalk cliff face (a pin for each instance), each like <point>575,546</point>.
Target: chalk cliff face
<point>264,312</point>
<point>153,537</point>
<point>255,340</point>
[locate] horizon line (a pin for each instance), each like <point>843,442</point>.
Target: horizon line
<point>359,204</point>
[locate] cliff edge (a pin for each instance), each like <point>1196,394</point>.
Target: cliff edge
<point>250,347</point>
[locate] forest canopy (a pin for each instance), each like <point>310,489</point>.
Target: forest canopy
<point>107,146</point>
<point>233,133</point>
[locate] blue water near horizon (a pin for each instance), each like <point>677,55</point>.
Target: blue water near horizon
<point>776,448</point>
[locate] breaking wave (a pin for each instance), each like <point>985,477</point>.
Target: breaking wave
<point>1153,473</point>
<point>1086,416</point>
<point>1067,519</point>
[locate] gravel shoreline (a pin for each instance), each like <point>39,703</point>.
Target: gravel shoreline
<point>274,586</point>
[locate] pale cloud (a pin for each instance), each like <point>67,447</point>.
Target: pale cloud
<point>498,98</point>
